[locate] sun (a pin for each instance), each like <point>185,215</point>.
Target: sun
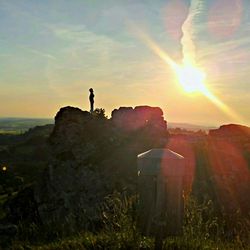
<point>191,78</point>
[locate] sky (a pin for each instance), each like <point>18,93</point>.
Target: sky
<point>53,51</point>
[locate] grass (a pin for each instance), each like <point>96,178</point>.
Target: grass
<point>202,230</point>
<point>105,241</point>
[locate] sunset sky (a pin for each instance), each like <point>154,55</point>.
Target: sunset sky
<point>53,51</point>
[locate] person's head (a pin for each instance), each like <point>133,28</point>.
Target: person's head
<point>91,90</point>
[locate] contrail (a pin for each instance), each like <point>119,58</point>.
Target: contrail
<point>189,53</point>
<point>188,73</point>
<point>187,40</point>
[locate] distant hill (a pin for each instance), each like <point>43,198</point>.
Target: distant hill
<point>190,127</point>
<point>20,125</point>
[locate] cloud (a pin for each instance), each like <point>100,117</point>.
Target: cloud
<point>37,52</point>
<point>28,49</point>
<point>217,48</point>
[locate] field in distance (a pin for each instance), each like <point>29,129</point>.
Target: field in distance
<point>20,125</point>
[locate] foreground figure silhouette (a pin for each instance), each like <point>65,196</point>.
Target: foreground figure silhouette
<point>91,99</point>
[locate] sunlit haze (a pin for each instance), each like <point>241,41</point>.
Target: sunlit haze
<point>191,58</point>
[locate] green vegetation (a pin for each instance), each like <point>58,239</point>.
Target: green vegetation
<point>202,230</point>
<point>20,125</point>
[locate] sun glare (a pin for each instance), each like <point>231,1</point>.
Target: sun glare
<point>191,78</point>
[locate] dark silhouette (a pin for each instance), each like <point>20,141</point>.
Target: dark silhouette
<point>91,99</point>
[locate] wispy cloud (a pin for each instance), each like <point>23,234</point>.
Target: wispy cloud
<point>212,49</point>
<point>37,52</point>
<point>28,49</point>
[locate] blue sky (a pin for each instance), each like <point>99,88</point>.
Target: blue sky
<point>51,52</point>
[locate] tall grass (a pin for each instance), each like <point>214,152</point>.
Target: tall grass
<point>202,229</point>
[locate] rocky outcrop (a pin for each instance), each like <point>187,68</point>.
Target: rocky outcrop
<point>91,156</point>
<point>72,186</point>
<point>79,136</point>
<point>70,194</point>
<point>229,157</point>
<point>129,119</point>
<point>231,130</point>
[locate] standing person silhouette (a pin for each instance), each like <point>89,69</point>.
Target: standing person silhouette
<point>91,99</point>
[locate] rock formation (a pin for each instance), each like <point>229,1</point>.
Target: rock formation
<point>231,130</point>
<point>129,119</point>
<point>92,156</point>
<point>72,187</point>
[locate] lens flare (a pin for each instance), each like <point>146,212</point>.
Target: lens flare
<point>223,24</point>
<point>191,78</point>
<point>229,172</point>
